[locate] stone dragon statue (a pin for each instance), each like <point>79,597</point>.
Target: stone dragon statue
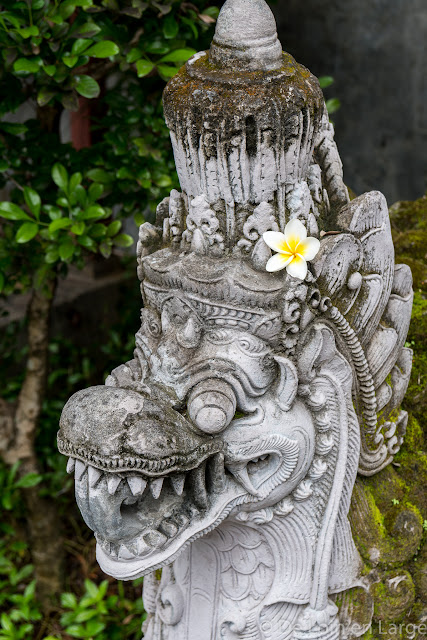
<point>226,450</point>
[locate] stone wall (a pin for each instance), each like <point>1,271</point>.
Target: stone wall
<point>377,52</point>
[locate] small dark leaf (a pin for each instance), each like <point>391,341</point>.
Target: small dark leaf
<point>44,96</point>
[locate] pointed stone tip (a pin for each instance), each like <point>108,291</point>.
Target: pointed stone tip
<point>246,36</point>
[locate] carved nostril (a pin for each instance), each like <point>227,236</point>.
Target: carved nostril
<point>212,405</point>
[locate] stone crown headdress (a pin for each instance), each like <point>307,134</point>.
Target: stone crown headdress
<point>254,149</point>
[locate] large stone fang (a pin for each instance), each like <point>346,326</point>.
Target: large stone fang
<point>113,482</point>
<point>156,487</point>
<point>70,465</point>
<point>177,482</point>
<point>94,476</point>
<point>240,472</point>
<point>137,485</point>
<point>80,468</point>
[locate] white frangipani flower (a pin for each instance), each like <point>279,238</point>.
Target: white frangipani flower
<point>293,248</point>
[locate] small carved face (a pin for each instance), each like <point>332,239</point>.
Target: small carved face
<point>217,432</point>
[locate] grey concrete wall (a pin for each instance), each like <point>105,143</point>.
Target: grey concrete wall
<point>377,52</point>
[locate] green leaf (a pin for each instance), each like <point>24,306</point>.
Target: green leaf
<point>91,588</point>
<point>75,180</point>
<point>163,181</point>
<point>80,45</point>
<point>179,55</point>
<point>113,228</point>
<point>33,201</point>
<point>123,240</point>
<point>4,165</point>
<point>104,249</point>
<point>60,176</point>
<point>51,255</point>
<point>143,67</point>
<point>66,249</point>
<point>68,600</point>
<point>94,212</point>
<point>99,175</point>
<point>326,81</point>
<point>95,191</point>
<point>78,228</point>
<point>45,95</point>
<point>29,480</point>
<point>2,281</point>
<point>26,65</point>
<point>88,30</point>
<point>49,69</point>
<point>87,86</point>
<point>94,627</point>
<point>13,128</point>
<point>333,105</point>
<point>61,223</point>
<point>26,232</point>
<point>28,32</point>
<point>70,61</point>
<point>103,49</point>
<point>167,71</point>
<point>11,211</point>
<point>53,212</point>
<point>133,55</point>
<point>70,101</point>
<point>86,615</point>
<point>170,27</point>
<point>7,623</point>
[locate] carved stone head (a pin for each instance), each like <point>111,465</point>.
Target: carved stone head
<point>253,398</point>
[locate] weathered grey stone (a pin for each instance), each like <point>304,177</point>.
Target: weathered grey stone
<point>227,449</point>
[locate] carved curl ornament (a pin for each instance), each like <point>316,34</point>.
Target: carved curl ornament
<point>226,450</point>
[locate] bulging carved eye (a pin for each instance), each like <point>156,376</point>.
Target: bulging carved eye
<point>212,405</point>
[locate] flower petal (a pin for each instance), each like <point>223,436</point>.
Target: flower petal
<point>308,248</point>
<point>275,240</point>
<point>297,268</point>
<point>295,232</point>
<point>278,261</point>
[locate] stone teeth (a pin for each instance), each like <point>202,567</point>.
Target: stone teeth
<point>177,482</point>
<point>124,553</point>
<point>80,468</point>
<point>169,528</point>
<point>113,482</point>
<point>114,550</point>
<point>198,481</point>
<point>94,475</point>
<point>156,487</point>
<point>240,472</point>
<point>70,465</point>
<point>217,473</point>
<point>137,485</point>
<point>154,538</point>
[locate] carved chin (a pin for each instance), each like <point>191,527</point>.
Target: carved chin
<point>142,523</point>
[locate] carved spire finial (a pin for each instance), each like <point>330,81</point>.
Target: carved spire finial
<point>246,35</point>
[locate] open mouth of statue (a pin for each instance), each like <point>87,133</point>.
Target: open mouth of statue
<point>135,515</point>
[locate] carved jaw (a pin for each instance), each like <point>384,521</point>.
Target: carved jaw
<point>144,516</point>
